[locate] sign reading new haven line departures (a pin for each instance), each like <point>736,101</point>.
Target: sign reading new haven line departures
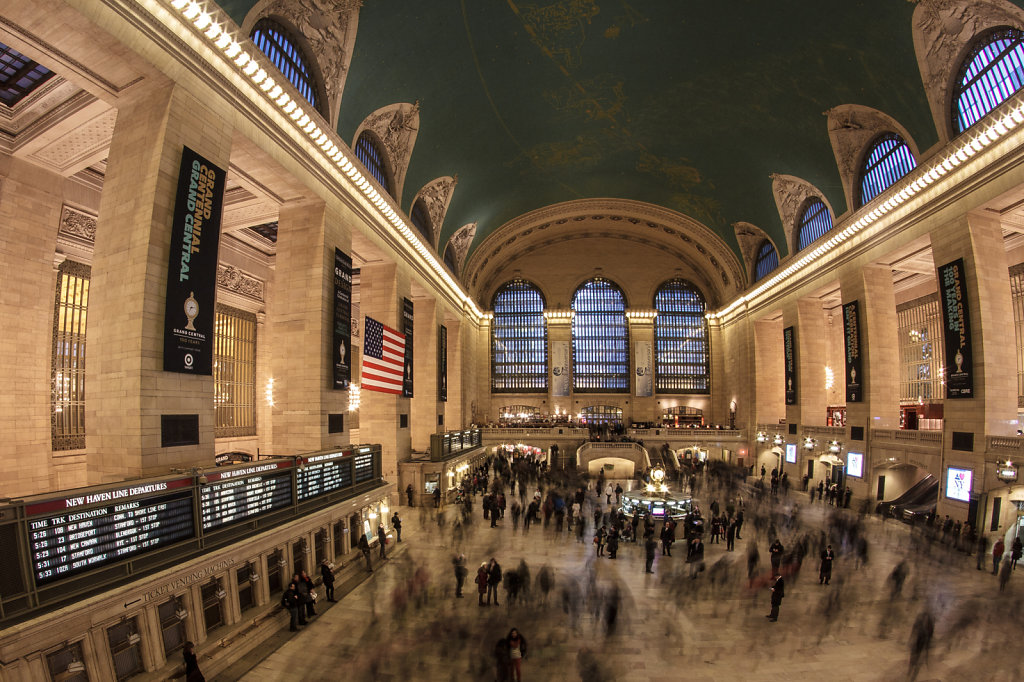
<point>192,271</point>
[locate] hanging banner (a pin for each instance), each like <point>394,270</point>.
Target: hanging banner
<point>341,349</point>
<point>442,363</point>
<point>560,369</point>
<point>787,343</point>
<point>956,330</point>
<point>407,329</point>
<point>851,340</point>
<point>644,372</point>
<point>192,274</point>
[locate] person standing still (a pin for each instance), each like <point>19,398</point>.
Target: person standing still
<point>1015,552</point>
<point>408,494</point>
<point>493,580</point>
<point>517,652</point>
<point>825,571</point>
<point>328,577</point>
<point>730,536</point>
<point>382,539</point>
<point>396,522</point>
<point>482,575</point>
<point>364,547</point>
<point>775,551</point>
<point>778,592</point>
<point>650,545</point>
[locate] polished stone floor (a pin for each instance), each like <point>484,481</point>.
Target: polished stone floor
<point>405,623</point>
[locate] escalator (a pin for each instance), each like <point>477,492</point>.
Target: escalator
<point>916,494</point>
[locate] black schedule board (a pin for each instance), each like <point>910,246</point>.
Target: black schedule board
<point>78,540</point>
<point>364,466</point>
<point>325,473</point>
<point>239,495</point>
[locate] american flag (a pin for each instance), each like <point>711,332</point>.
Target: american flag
<point>383,358</point>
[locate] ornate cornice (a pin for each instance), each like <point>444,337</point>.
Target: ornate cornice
<point>234,280</point>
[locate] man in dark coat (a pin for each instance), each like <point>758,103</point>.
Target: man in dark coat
<point>493,580</point>
<point>739,524</point>
<point>382,539</point>
<point>730,536</point>
<point>292,601</point>
<point>328,577</point>
<point>825,572</point>
<point>408,494</point>
<point>650,545</point>
<point>396,522</point>
<point>778,592</point>
<point>364,547</point>
<point>775,551</point>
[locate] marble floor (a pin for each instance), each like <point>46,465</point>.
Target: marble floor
<point>405,623</point>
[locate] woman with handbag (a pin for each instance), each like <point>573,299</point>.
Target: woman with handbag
<point>309,598</point>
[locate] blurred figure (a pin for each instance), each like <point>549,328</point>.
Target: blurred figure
<point>459,563</point>
<point>997,555</point>
<point>517,652</point>
<point>920,642</point>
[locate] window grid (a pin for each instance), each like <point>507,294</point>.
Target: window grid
<point>600,339</point>
<point>992,72</point>
<point>1017,300</point>
<point>767,260</point>
<point>67,420</point>
<point>921,350</point>
<point>814,222</point>
<point>19,75</point>
<point>234,373</point>
<point>127,655</point>
<point>213,609</point>
<point>889,160</point>
<point>369,153</point>
<point>681,359</point>
<point>272,40</point>
<point>421,219</point>
<point>601,414</point>
<point>519,340</point>
<point>172,628</point>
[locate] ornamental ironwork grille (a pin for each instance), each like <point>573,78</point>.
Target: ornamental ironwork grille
<point>19,75</point>
<point>234,372</point>
<point>172,628</point>
<point>600,338</point>
<point>67,377</point>
<point>276,42</point>
<point>1017,300</point>
<point>920,350</point>
<point>124,648</point>
<point>421,219</point>
<point>519,340</point>
<point>681,357</point>
<point>991,73</point>
<point>814,222</point>
<point>368,152</point>
<point>888,161</point>
<point>766,261</point>
<point>58,661</point>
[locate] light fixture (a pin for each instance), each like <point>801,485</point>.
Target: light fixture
<point>830,378</point>
<point>778,440</point>
<point>835,447</point>
<point>354,398</point>
<point>809,443</point>
<point>762,437</point>
<point>181,614</point>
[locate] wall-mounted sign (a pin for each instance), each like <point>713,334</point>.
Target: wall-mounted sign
<point>442,363</point>
<point>407,309</point>
<point>788,343</point>
<point>958,484</point>
<point>855,464</point>
<point>1006,472</point>
<point>644,370</point>
<point>956,330</point>
<point>791,453</point>
<point>341,350</point>
<point>560,369</point>
<point>851,341</point>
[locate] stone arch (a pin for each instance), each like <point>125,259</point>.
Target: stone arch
<point>436,196</point>
<point>459,243</point>
<point>791,195</point>
<point>395,127</point>
<point>750,238</point>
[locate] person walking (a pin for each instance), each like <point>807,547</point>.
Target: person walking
<point>307,593</point>
<point>493,580</point>
<point>650,545</point>
<point>459,563</point>
<point>997,555</point>
<point>739,524</point>
<point>516,652</point>
<point>825,571</point>
<point>608,492</point>
<point>396,523</point>
<point>364,547</point>
<point>1015,553</point>
<point>778,592</point>
<point>382,540</point>
<point>327,575</point>
<point>192,673</point>
<point>775,551</point>
<point>730,536</point>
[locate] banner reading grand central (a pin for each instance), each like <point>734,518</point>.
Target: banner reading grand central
<point>192,273</point>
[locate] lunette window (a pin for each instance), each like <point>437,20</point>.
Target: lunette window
<point>888,161</point>
<point>421,219</point>
<point>371,156</point>
<point>681,355</point>
<point>766,261</point>
<point>992,72</point>
<point>276,42</point>
<point>814,222</point>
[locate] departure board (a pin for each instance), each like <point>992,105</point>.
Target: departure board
<point>364,465</point>
<point>80,539</point>
<point>237,495</point>
<point>324,473</point>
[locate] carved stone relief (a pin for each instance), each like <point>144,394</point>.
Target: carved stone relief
<point>77,226</point>
<point>234,280</point>
<point>437,194</point>
<point>790,194</point>
<point>460,242</point>
<point>329,28</point>
<point>396,126</point>
<point>851,128</point>
<point>943,31</point>
<point>750,237</point>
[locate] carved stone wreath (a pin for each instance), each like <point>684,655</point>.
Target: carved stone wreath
<point>77,226</point>
<point>234,280</point>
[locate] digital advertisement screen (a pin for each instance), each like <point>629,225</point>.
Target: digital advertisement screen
<point>791,453</point>
<point>855,464</point>
<point>958,484</point>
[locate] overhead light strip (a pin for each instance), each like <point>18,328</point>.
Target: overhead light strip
<point>220,33</point>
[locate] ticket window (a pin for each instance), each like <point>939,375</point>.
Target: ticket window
<point>68,664</point>
<point>275,568</point>
<point>172,616</point>
<point>125,649</point>
<point>246,587</point>
<point>299,555</point>
<point>213,605</point>
<point>355,526</point>
<point>339,538</point>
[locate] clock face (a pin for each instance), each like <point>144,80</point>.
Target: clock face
<point>191,307</point>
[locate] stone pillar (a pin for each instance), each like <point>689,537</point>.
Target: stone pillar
<point>559,331</point>
<point>381,290</point>
<point>808,317</point>
<point>30,203</point>
<point>769,372</point>
<point>424,405</point>
<point>641,329</point>
<point>128,391</point>
<point>453,408</point>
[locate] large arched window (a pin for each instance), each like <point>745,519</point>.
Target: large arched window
<point>814,222</point>
<point>421,219</point>
<point>276,41</point>
<point>990,74</point>
<point>600,341</point>
<point>368,151</point>
<point>519,340</point>
<point>681,358</point>
<point>888,160</point>
<point>766,261</point>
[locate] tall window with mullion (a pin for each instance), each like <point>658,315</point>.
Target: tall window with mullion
<point>519,340</point>
<point>815,220</point>
<point>67,390</point>
<point>767,260</point>
<point>992,72</point>
<point>600,338</point>
<point>889,159</point>
<point>371,156</point>
<point>681,359</point>
<point>234,373</point>
<point>280,46</point>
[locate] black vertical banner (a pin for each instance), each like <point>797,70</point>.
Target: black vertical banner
<point>192,271</point>
<point>787,344</point>
<point>442,363</point>
<point>407,322</point>
<point>956,330</point>
<point>851,340</point>
<point>341,349</point>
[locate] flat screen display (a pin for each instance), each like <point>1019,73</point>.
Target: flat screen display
<point>958,484</point>
<point>791,453</point>
<point>855,464</point>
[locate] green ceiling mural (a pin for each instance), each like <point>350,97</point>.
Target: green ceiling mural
<point>688,105</point>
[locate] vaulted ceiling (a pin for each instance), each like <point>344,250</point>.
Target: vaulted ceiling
<point>686,105</point>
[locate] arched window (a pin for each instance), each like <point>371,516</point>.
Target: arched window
<point>449,259</point>
<point>369,153</point>
<point>767,260</point>
<point>519,340</point>
<point>601,414</point>
<point>681,358</point>
<point>421,219</point>
<point>991,73</point>
<point>814,222</point>
<point>276,41</point>
<point>600,341</point>
<point>888,161</point>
